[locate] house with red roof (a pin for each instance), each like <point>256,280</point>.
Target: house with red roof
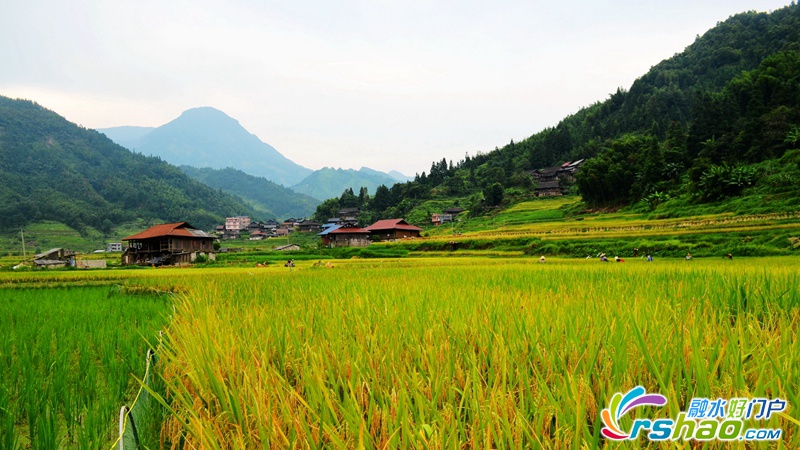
<point>168,243</point>
<point>392,229</point>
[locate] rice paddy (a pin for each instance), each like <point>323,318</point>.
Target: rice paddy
<point>407,353</point>
<point>67,356</point>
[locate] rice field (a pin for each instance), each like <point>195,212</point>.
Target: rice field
<point>473,352</point>
<point>67,356</point>
<point>399,353</point>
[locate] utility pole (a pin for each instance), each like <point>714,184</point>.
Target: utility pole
<point>22,232</point>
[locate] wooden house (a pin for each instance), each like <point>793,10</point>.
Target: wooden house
<point>348,216</point>
<point>392,229</point>
<point>257,235</point>
<point>548,189</point>
<point>308,226</point>
<point>347,236</point>
<point>169,243</point>
<point>453,211</point>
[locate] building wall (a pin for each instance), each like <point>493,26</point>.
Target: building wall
<point>386,235</point>
<point>91,264</point>
<point>237,223</point>
<point>360,242</point>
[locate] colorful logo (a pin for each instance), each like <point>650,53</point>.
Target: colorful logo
<point>621,405</point>
<point>704,419</point>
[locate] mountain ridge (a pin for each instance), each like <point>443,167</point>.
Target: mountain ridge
<point>207,137</point>
<point>270,199</point>
<point>52,169</point>
<point>330,182</point>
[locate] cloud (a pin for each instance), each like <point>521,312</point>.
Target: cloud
<point>389,85</point>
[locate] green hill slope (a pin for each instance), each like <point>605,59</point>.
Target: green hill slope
<point>719,120</point>
<point>51,169</point>
<point>270,199</point>
<point>329,182</point>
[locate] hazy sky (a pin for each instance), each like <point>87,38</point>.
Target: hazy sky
<point>383,84</point>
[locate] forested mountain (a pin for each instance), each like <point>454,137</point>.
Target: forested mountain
<point>271,200</point>
<point>719,119</point>
<point>329,182</point>
<point>207,137</point>
<point>52,169</point>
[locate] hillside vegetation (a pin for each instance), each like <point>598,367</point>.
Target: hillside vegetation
<point>51,169</point>
<point>329,182</point>
<point>269,199</point>
<point>717,121</point>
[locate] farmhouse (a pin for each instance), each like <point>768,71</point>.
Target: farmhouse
<point>55,257</point>
<point>549,178</point>
<point>307,226</point>
<point>392,229</point>
<point>169,243</point>
<point>448,215</point>
<point>346,236</point>
<point>257,235</point>
<point>548,188</point>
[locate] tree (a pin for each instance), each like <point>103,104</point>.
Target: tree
<point>493,194</point>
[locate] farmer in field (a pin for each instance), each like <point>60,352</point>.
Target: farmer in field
<point>729,256</point>
<point>542,259</point>
<point>603,257</point>
<point>649,257</point>
<point>688,256</point>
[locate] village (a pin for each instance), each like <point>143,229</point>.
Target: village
<point>180,243</point>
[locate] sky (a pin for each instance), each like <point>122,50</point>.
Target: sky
<point>386,84</point>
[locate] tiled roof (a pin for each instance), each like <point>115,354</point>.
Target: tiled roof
<point>329,230</point>
<point>182,229</point>
<point>392,224</point>
<point>349,230</point>
<point>548,185</point>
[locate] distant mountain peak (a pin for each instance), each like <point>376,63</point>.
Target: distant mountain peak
<point>206,112</point>
<point>207,137</point>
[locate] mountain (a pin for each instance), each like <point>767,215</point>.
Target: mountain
<point>126,136</point>
<point>207,137</point>
<point>271,200</point>
<point>399,176</point>
<point>52,169</point>
<point>329,182</point>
